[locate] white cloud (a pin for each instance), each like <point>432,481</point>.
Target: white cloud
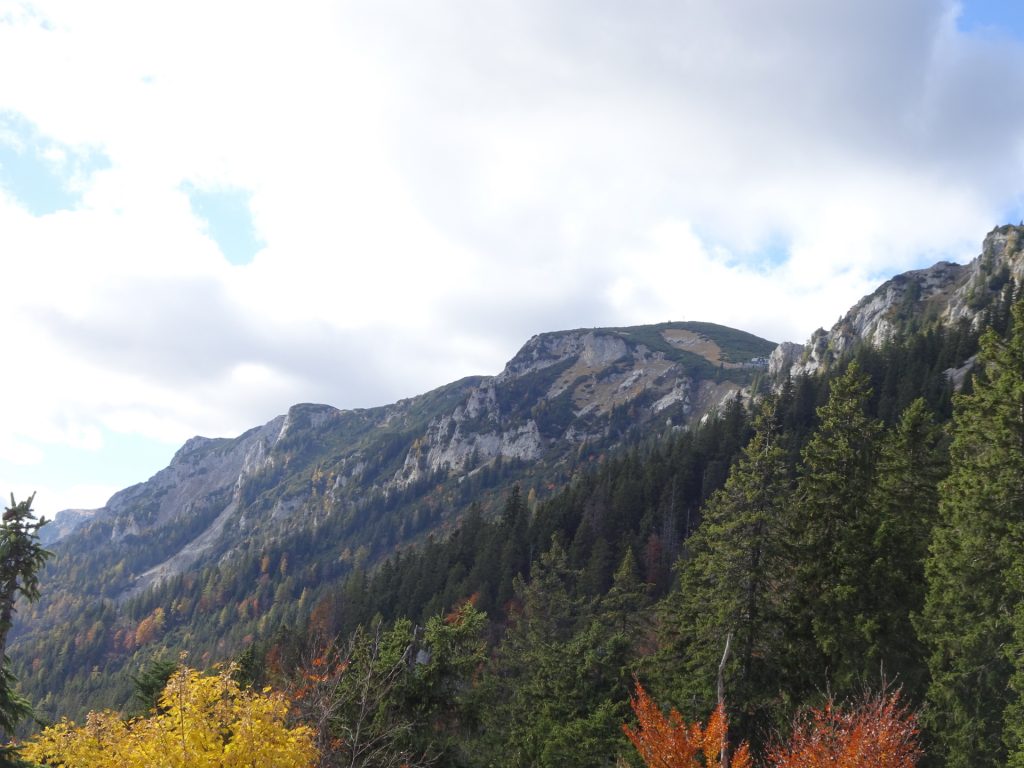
<point>436,182</point>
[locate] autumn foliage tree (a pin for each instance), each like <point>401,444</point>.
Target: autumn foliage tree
<point>881,732</point>
<point>670,742</point>
<point>203,722</point>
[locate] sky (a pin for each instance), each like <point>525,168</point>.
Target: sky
<point>212,211</point>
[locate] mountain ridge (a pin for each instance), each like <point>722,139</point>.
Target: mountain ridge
<point>562,391</point>
<point>943,293</point>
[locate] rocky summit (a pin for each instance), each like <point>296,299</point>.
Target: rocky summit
<point>943,294</point>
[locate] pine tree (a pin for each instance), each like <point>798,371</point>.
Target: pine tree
<point>973,621</point>
<point>624,609</point>
<point>151,681</point>
<point>527,674</point>
<point>515,544</point>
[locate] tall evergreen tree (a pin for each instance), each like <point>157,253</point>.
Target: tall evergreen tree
<point>150,682</point>
<point>515,544</point>
<point>973,620</point>
<point>555,691</point>
<point>831,525</point>
<point>911,464</point>
<point>624,609</point>
<point>727,587</point>
<point>21,557</point>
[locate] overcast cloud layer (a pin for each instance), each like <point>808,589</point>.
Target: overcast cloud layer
<point>431,183</point>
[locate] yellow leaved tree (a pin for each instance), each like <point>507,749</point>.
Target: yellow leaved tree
<point>202,722</point>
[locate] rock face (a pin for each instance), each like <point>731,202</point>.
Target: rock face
<point>202,468</point>
<point>63,523</point>
<point>360,471</point>
<point>783,358</point>
<point>944,293</point>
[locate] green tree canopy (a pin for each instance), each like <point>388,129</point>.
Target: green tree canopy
<point>973,619</point>
<point>21,558</point>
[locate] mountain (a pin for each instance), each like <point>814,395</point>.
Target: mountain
<point>562,391</point>
<point>319,491</point>
<point>238,538</point>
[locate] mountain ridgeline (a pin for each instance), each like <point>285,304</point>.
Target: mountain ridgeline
<point>629,472</point>
<point>322,491</point>
<point>379,478</point>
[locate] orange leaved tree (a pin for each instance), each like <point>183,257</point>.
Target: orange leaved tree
<point>668,742</point>
<point>880,732</point>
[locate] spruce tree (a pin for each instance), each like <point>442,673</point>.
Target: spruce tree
<point>21,558</point>
<point>151,681</point>
<point>830,526</point>
<point>728,587</point>
<point>911,464</point>
<point>515,544</point>
<point>554,693</point>
<point>972,620</point>
<point>624,609</point>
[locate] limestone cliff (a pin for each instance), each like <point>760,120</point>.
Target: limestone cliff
<point>364,477</point>
<point>944,293</point>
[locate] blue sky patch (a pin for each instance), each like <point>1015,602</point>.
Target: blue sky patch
<point>999,17</point>
<point>1013,213</point>
<point>124,459</point>
<point>772,253</point>
<point>42,174</point>
<point>228,221</point>
<point>769,253</point>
